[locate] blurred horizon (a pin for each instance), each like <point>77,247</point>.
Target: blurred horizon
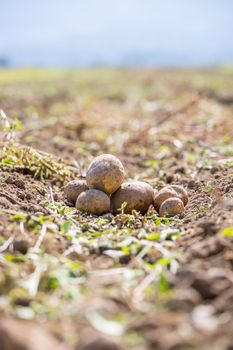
<point>74,34</point>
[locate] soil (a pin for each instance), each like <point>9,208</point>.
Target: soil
<point>126,281</point>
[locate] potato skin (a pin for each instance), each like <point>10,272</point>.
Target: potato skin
<point>171,207</point>
<point>93,202</point>
<point>138,195</point>
<point>73,189</point>
<point>105,173</point>
<point>162,195</point>
<point>181,193</point>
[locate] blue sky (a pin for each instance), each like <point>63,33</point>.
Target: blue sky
<point>87,32</point>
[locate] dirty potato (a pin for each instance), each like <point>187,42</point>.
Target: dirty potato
<point>137,195</point>
<point>93,202</point>
<point>171,207</point>
<point>73,189</point>
<point>106,173</point>
<point>181,193</point>
<point>162,195</point>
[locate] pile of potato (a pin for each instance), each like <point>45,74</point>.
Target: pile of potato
<point>104,191</point>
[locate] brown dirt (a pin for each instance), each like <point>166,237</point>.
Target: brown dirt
<point>167,128</point>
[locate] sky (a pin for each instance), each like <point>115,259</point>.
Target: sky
<point>116,32</point>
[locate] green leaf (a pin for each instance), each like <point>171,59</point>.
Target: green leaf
<point>15,258</point>
<point>19,216</point>
<point>227,232</point>
<point>153,236</point>
<point>50,283</point>
<point>65,227</point>
<point>163,284</point>
<point>163,261</point>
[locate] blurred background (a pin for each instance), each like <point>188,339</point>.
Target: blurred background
<point>74,33</point>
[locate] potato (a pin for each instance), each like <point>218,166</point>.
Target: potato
<point>171,206</point>
<point>73,189</point>
<point>106,173</point>
<point>93,202</point>
<point>138,195</point>
<point>181,193</point>
<point>162,195</point>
